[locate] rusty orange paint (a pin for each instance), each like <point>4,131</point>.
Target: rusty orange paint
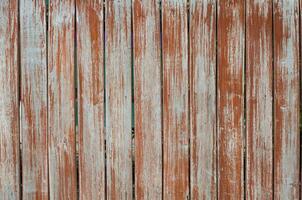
<point>118,98</point>
<point>147,99</point>
<point>61,100</point>
<point>90,43</point>
<point>230,99</point>
<point>9,105</point>
<point>259,100</point>
<point>203,99</point>
<point>175,100</point>
<point>286,100</point>
<point>33,99</point>
<point>217,96</point>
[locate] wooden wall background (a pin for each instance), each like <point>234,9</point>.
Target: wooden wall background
<point>150,99</point>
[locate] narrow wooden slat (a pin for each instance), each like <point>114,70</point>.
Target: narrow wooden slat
<point>147,97</point>
<point>61,93</point>
<point>203,98</point>
<point>91,98</point>
<point>175,99</point>
<point>259,100</point>
<point>118,98</point>
<point>9,108</point>
<point>286,108</point>
<point>230,99</point>
<point>33,99</point>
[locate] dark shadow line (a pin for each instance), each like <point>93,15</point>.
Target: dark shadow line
<point>161,93</point>
<point>189,97</point>
<point>20,143</point>
<point>104,98</point>
<point>132,107</point>
<point>273,103</point>
<point>245,107</point>
<point>216,97</point>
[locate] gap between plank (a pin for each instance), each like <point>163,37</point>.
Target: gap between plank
<point>132,107</point>
<point>104,96</point>
<point>244,108</point>
<point>76,102</point>
<point>189,102</point>
<point>19,102</point>
<point>273,102</point>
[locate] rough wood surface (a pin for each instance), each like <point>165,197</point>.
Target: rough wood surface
<point>259,100</point>
<point>118,98</point>
<point>90,43</point>
<point>147,98</point>
<point>286,87</point>
<point>230,101</point>
<point>9,105</point>
<point>61,95</point>
<point>33,99</point>
<point>203,98</point>
<point>175,99</point>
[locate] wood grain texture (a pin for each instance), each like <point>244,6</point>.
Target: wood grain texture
<point>230,101</point>
<point>33,99</point>
<point>203,98</point>
<point>118,98</point>
<point>259,100</point>
<point>147,99</point>
<point>61,94</point>
<point>9,108</point>
<point>175,99</point>
<point>90,43</point>
<point>286,108</point>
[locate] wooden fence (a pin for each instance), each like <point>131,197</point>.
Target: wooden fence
<point>150,99</point>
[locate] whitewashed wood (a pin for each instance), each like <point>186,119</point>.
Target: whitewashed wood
<point>259,100</point>
<point>147,99</point>
<point>203,98</point>
<point>118,98</point>
<point>33,99</point>
<point>61,95</point>
<point>286,100</point>
<point>90,43</point>
<point>175,100</point>
<point>9,108</point>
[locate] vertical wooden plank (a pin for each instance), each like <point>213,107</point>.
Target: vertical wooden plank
<point>259,100</point>
<point>9,108</point>
<point>286,86</point>
<point>175,99</point>
<point>147,98</point>
<point>230,99</point>
<point>203,98</point>
<point>61,119</point>
<point>300,94</point>
<point>33,99</point>
<point>118,98</point>
<point>91,99</point>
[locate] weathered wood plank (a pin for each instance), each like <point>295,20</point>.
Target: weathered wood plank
<point>33,99</point>
<point>90,56</point>
<point>203,98</point>
<point>61,94</point>
<point>9,108</point>
<point>147,98</point>
<point>230,99</point>
<point>259,100</point>
<point>175,99</point>
<point>286,108</point>
<point>118,98</point>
